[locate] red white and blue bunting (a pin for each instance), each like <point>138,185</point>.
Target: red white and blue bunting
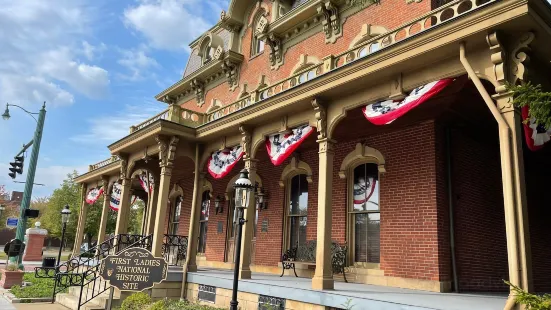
<point>115,203</point>
<point>93,195</point>
<point>221,162</point>
<point>363,190</point>
<point>116,197</point>
<point>146,180</point>
<point>536,135</point>
<point>385,112</point>
<point>280,146</point>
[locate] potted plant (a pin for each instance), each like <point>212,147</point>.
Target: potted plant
<point>11,276</point>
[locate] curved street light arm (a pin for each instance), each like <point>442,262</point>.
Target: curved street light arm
<point>30,113</point>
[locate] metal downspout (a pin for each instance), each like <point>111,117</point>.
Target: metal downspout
<point>507,175</point>
<point>451,208</point>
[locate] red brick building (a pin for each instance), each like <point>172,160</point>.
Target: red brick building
<point>446,197</point>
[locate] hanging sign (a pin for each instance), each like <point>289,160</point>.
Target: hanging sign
<point>221,162</point>
<point>116,197</point>
<point>146,182</point>
<point>280,146</point>
<point>385,112</point>
<point>93,195</point>
<point>536,135</point>
<point>134,269</point>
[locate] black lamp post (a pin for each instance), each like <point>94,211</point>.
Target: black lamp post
<point>65,213</point>
<point>243,188</point>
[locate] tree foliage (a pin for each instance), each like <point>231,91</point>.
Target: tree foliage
<point>538,101</point>
<point>531,301</point>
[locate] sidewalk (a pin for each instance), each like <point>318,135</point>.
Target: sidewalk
<point>41,306</point>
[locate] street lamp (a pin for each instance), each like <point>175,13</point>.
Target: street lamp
<point>65,214</point>
<point>243,188</point>
<point>26,201</point>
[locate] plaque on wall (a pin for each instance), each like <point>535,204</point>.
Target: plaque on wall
<point>220,227</point>
<point>264,227</point>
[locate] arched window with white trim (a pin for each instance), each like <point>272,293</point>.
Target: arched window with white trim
<point>203,222</point>
<point>362,169</point>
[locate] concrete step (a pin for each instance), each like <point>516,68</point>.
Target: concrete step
<point>75,291</point>
<point>71,302</point>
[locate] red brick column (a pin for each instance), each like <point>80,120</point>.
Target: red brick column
<point>35,242</point>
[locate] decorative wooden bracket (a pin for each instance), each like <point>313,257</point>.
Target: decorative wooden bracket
<point>199,88</point>
<point>396,88</point>
<point>330,21</point>
<point>321,118</point>
<point>231,70</point>
<point>245,141</point>
<point>276,50</point>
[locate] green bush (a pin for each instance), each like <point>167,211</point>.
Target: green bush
<point>40,288</point>
<point>137,301</point>
<point>168,304</point>
<point>531,301</point>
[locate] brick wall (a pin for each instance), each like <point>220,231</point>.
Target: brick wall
<point>389,14</point>
<point>538,171</point>
<point>481,248</point>
<point>410,222</point>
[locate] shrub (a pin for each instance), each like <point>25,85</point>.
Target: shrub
<point>40,287</point>
<point>12,267</point>
<point>137,301</point>
<point>531,301</point>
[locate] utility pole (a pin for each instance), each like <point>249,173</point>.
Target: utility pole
<point>26,202</point>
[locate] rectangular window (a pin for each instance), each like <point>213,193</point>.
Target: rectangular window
<point>298,210</point>
<point>207,293</point>
<point>203,222</point>
<point>365,214</point>
<point>175,216</point>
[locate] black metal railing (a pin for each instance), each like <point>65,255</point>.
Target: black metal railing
<point>174,249</point>
<point>92,284</point>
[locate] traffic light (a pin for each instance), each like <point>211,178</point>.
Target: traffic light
<point>16,167</point>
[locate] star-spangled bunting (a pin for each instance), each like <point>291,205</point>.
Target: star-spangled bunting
<point>385,112</point>
<point>221,162</point>
<point>280,146</point>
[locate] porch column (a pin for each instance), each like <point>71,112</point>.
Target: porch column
<point>248,227</point>
<point>124,207</point>
<point>81,223</point>
<point>151,210</point>
<point>167,150</point>
<point>513,118</point>
<point>193,235</point>
<point>104,210</point>
<point>323,277</point>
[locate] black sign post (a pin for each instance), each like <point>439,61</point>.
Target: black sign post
<point>134,269</point>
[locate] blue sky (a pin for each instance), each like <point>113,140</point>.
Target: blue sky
<point>97,64</point>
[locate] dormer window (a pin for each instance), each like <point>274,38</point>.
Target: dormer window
<point>207,51</point>
<point>260,22</point>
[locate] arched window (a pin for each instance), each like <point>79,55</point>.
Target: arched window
<point>365,214</point>
<point>362,168</point>
<point>257,46</point>
<point>203,222</point>
<point>176,210</point>
<point>297,215</point>
<point>207,51</point>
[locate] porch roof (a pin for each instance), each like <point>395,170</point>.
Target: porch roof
<point>362,296</point>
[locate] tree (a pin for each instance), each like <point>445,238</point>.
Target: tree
<point>136,216</point>
<point>67,194</point>
<point>40,204</point>
<point>538,101</point>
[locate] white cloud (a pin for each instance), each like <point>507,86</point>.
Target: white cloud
<point>92,52</point>
<point>168,24</point>
<point>41,42</point>
<point>137,62</point>
<point>110,128</point>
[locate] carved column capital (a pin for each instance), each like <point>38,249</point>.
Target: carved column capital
<point>326,145</point>
<point>124,166</point>
<point>321,118</point>
<point>167,151</point>
<point>245,141</point>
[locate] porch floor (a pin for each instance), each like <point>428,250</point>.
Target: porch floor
<point>362,296</point>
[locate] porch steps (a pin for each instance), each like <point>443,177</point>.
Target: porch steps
<point>70,299</point>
